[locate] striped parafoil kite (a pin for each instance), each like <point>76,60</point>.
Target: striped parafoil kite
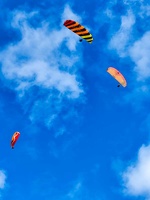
<point>14,139</point>
<point>117,75</point>
<point>79,30</point>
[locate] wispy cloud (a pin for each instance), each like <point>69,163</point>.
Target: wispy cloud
<point>75,191</point>
<point>139,53</point>
<point>120,40</point>
<point>68,14</point>
<point>133,45</point>
<point>136,49</point>
<point>36,58</point>
<point>137,176</point>
<point>60,132</point>
<point>2,179</point>
<point>140,7</point>
<point>43,57</point>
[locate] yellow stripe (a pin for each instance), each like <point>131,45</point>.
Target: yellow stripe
<point>89,40</point>
<point>86,36</point>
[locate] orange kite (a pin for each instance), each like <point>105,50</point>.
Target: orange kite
<point>117,75</point>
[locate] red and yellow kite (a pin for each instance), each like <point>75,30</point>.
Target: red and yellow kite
<point>14,139</point>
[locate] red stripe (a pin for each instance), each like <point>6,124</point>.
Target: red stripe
<point>68,22</point>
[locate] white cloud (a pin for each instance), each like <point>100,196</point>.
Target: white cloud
<point>144,11</point>
<point>137,176</point>
<point>68,14</point>
<point>45,57</point>
<point>141,7</point>
<point>127,46</point>
<point>139,53</point>
<point>2,179</point>
<point>36,58</point>
<point>120,40</point>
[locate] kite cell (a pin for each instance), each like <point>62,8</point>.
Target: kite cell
<point>79,30</point>
<point>117,75</point>
<point>14,139</point>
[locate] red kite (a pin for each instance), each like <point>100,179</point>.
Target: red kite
<point>14,139</point>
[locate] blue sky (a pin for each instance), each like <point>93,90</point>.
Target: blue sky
<point>82,137</point>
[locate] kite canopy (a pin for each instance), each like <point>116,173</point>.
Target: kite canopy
<point>14,139</point>
<point>117,75</point>
<point>79,30</point>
